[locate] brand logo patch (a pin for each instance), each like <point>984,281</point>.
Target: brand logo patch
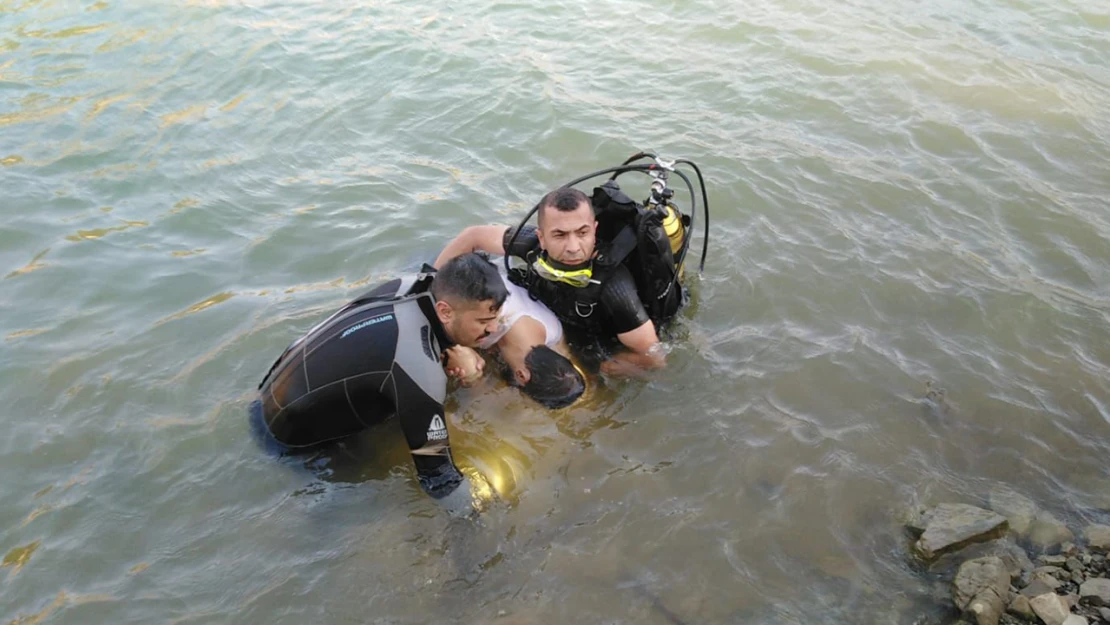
<point>365,324</point>
<point>437,431</point>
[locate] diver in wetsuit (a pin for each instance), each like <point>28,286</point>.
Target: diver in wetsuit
<point>569,268</point>
<point>384,354</point>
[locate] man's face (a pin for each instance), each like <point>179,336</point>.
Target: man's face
<point>468,323</point>
<point>568,236</point>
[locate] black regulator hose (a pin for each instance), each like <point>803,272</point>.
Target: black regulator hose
<point>645,169</point>
<point>705,211</point>
<point>635,157</point>
<point>620,169</point>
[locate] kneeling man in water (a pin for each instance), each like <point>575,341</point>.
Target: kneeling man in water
<point>384,354</point>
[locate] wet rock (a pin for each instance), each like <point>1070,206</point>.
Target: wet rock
<point>1018,509</point>
<point>1096,591</point>
<point>980,588</point>
<point>1073,565</point>
<point>1047,531</point>
<point>1020,607</point>
<point>1069,549</point>
<point>1013,556</point>
<point>1098,537</point>
<point>1105,614</point>
<point>1085,558</point>
<point>1050,608</point>
<point>1075,619</point>
<point>1077,577</point>
<point>1046,579</point>
<point>1047,560</point>
<point>951,526</point>
<point>1036,588</point>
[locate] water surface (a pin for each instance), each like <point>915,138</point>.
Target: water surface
<point>906,300</point>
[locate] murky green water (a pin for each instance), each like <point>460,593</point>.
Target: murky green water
<point>907,299</point>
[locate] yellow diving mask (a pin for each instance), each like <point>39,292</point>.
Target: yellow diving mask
<point>578,278</point>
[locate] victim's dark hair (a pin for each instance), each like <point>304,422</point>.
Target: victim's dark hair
<point>471,278</point>
<point>566,199</point>
<point>554,382</point>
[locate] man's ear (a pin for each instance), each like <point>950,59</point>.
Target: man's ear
<point>522,375</point>
<point>444,312</point>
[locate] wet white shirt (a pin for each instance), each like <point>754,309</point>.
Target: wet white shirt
<point>518,304</point>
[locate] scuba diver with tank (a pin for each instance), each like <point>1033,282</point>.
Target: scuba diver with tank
<point>608,267</point>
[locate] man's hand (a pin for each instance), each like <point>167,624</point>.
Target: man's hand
<point>460,503</point>
<point>464,364</point>
<point>643,353</point>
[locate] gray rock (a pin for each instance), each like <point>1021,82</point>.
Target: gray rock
<point>1047,531</point>
<point>1098,537</point>
<point>1085,558</point>
<point>1018,509</point>
<point>1037,588</point>
<point>1050,608</point>
<point>1073,565</point>
<point>1105,614</point>
<point>1054,571</point>
<point>1075,619</point>
<point>951,526</point>
<point>1077,577</point>
<point>1020,607</point>
<point>1096,591</point>
<point>1047,560</point>
<point>980,589</point>
<point>1046,579</point>
<point>1069,549</point>
<point>1072,600</point>
<point>1014,557</point>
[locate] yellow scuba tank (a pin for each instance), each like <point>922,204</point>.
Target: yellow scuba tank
<point>676,232</point>
<point>672,225</point>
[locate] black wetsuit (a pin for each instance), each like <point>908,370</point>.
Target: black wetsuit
<point>376,357</point>
<point>590,314</point>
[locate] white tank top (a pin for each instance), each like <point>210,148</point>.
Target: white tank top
<point>519,304</point>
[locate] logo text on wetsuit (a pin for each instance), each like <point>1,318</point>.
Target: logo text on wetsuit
<point>365,324</point>
<point>437,431</point>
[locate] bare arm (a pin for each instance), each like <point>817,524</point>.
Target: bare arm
<point>471,239</point>
<point>643,353</point>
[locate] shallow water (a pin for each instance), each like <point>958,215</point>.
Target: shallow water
<point>906,300</point>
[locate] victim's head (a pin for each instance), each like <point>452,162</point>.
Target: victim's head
<point>567,227</point>
<point>554,381</point>
<point>469,294</point>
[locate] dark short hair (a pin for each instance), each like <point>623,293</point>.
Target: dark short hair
<point>469,278</point>
<point>566,199</point>
<point>554,382</point>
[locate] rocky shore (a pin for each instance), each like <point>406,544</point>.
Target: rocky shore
<point>1013,563</point>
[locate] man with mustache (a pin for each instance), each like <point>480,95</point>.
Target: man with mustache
<point>385,354</point>
<point>568,273</point>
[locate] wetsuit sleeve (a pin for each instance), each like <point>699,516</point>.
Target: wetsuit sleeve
<point>419,386</point>
<point>422,421</point>
<point>621,303</point>
<point>524,243</point>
